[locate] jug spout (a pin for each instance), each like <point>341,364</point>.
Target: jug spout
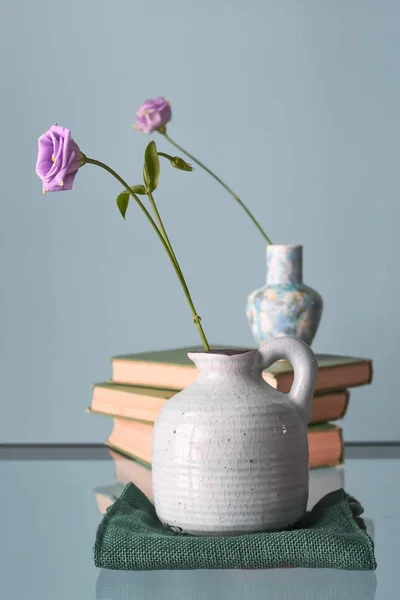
<point>222,362</point>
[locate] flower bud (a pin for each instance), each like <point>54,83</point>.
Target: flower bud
<point>181,164</point>
<point>177,162</point>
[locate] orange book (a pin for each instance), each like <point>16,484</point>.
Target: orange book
<point>134,439</point>
<point>131,470</point>
<point>125,471</point>
<point>144,403</point>
<point>172,369</point>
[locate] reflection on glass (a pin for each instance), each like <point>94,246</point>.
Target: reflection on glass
<point>277,584</point>
<point>322,481</point>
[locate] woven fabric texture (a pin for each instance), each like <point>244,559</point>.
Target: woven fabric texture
<point>130,537</point>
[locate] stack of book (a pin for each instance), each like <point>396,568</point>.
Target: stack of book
<point>142,383</point>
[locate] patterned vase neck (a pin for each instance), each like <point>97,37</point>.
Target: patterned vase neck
<point>285,306</point>
<point>284,264</point>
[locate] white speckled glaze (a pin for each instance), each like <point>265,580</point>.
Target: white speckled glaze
<point>230,453</point>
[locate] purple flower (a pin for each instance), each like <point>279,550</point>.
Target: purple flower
<point>59,159</point>
<point>152,115</point>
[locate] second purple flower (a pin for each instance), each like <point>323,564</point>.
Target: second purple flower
<point>153,114</point>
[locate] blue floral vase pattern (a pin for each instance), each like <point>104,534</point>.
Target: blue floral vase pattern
<point>284,306</point>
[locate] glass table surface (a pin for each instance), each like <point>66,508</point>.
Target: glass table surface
<point>51,507</point>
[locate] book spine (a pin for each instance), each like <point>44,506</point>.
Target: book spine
<point>346,404</point>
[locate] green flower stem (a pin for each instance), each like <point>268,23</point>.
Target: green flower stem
<point>196,317</point>
<point>164,233</point>
<point>167,156</point>
<point>161,225</point>
<point>228,189</point>
<point>162,229</point>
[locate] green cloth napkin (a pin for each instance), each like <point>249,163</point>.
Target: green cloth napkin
<point>130,537</point>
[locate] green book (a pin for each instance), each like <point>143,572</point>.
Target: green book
<point>173,369</point>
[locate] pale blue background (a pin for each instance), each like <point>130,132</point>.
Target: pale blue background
<point>296,104</point>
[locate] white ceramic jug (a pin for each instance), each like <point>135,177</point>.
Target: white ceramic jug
<point>230,453</point>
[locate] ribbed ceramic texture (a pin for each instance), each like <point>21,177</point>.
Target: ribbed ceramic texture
<point>284,306</point>
<point>230,453</point>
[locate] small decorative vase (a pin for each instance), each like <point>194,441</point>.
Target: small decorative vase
<point>284,306</point>
<point>230,453</point>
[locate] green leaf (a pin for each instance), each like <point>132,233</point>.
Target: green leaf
<point>138,189</point>
<point>152,166</point>
<point>122,202</point>
<point>145,177</point>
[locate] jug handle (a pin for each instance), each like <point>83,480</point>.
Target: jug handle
<point>305,368</point>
